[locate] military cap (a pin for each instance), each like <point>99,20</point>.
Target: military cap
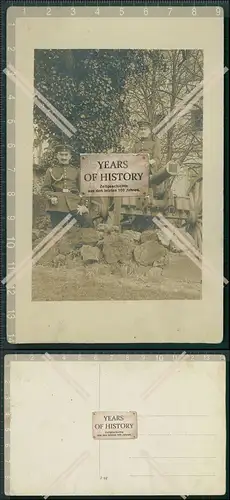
<point>63,147</point>
<point>143,123</point>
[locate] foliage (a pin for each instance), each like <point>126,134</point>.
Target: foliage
<point>103,93</point>
<point>87,87</point>
<point>159,92</point>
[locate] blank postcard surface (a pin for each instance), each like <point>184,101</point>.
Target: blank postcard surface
<point>113,425</point>
<point>138,85</point>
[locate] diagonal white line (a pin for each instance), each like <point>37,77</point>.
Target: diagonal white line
<point>183,247</point>
<point>45,249</point>
<point>180,114</point>
<point>41,97</point>
<point>153,466</point>
<point>37,102</point>
<point>54,240</point>
<point>35,250</point>
<point>147,393</point>
<point>181,107</point>
<point>67,472</point>
<point>82,392</point>
<point>178,243</point>
<point>192,97</point>
<point>175,230</point>
<point>183,244</point>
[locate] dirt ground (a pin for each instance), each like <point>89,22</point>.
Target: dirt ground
<point>99,282</point>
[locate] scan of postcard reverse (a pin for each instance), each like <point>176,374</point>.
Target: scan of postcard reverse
<point>134,426</point>
<point>115,174</point>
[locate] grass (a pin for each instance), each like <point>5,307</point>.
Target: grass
<point>98,283</point>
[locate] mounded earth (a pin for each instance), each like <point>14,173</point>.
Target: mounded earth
<point>106,264</point>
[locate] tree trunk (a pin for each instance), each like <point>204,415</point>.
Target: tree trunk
<point>172,105</point>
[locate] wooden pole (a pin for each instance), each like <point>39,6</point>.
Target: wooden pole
<point>117,210</point>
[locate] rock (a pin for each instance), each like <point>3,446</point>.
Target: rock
<point>163,238</point>
<point>149,235</point>
<point>90,254</point>
<point>149,252</point>
<point>89,236</point>
<point>100,244</point>
<point>117,248</point>
<point>83,236</point>
<point>132,235</point>
<point>155,273</point>
<point>103,227</point>
<point>108,228</point>
<point>65,245</point>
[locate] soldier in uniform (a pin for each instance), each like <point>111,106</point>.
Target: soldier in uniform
<point>62,191</point>
<point>147,143</point>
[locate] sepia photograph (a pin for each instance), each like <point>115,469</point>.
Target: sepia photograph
<point>123,104</point>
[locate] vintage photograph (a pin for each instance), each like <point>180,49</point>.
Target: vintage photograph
<point>133,234</point>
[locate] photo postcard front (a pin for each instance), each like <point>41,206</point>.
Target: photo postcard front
<point>118,177</point>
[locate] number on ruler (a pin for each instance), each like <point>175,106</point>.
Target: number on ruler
<point>218,11</point>
<point>146,11</point>
<point>48,11</point>
<point>194,11</point>
<point>10,145</point>
<point>170,10</point>
<point>122,11</point>
<point>10,120</point>
<point>11,314</point>
<point>97,11</point>
<point>10,242</point>
<point>160,357</point>
<point>10,96</point>
<point>72,11</point>
<point>12,49</point>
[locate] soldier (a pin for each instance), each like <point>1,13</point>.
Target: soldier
<point>61,189</point>
<point>147,143</point>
